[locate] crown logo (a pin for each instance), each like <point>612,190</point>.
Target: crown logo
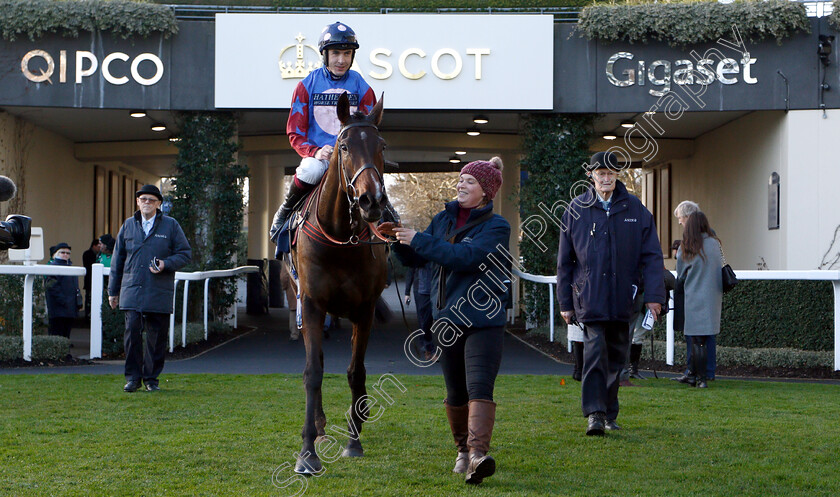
<point>299,68</point>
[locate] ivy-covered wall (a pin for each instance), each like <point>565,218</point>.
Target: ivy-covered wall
<point>554,148</point>
<point>123,18</point>
<point>208,200</point>
<point>681,23</point>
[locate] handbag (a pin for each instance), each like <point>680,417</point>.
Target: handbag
<point>728,277</point>
<point>79,301</point>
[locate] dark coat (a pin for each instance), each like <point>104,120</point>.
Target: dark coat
<point>601,257</point>
<point>420,279</point>
<point>472,297</point>
<point>88,260</point>
<point>138,288</point>
<point>61,293</point>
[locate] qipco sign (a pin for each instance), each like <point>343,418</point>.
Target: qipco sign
<point>116,68</point>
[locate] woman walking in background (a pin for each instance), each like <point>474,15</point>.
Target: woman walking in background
<point>699,261</point>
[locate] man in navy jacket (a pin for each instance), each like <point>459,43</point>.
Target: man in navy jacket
<point>608,240</point>
<point>150,248</point>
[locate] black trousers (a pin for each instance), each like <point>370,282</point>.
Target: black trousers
<point>471,363</point>
<point>148,364</point>
<point>604,352</point>
<point>61,326</point>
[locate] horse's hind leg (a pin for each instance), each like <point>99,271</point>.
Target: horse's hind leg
<point>308,461</point>
<point>356,376</point>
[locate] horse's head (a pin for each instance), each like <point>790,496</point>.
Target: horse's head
<point>358,151</point>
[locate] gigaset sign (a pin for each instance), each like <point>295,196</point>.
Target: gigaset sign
<point>39,66</point>
<point>662,73</point>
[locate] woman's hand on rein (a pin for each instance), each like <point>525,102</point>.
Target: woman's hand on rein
<point>404,235</point>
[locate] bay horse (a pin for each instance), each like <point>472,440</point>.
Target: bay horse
<point>339,271</point>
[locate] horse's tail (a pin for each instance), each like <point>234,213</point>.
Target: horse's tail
<point>382,313</point>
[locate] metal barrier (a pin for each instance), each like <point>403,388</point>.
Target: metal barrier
<point>97,276</point>
<point>30,272</point>
<point>814,275</point>
<point>197,276</point>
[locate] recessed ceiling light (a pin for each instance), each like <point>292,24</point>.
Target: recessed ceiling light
<point>473,131</point>
<point>158,127</point>
<point>627,124</point>
<point>174,139</point>
<point>481,120</point>
<point>454,159</point>
<point>460,152</point>
<point>137,113</point>
<point>609,136</point>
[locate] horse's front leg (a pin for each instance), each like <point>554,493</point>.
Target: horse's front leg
<point>308,461</point>
<point>356,376</point>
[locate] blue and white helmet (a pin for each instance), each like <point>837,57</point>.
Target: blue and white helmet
<point>337,36</point>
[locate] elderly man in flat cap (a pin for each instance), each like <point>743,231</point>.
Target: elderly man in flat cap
<point>608,250</point>
<point>150,248</point>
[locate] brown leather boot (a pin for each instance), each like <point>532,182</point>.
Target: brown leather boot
<point>481,420</point>
<point>458,424</point>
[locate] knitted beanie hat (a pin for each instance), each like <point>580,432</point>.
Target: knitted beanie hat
<point>487,173</point>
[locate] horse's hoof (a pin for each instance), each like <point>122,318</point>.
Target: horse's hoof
<point>308,466</point>
<point>353,452</point>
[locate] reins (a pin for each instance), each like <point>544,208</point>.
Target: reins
<point>353,200</point>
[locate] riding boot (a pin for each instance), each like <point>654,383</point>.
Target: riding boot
<point>577,352</point>
<point>458,422</point>
<point>296,194</point>
<point>480,425</point>
<point>635,356</point>
<point>701,354</point>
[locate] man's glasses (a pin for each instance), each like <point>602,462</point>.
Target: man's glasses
<point>63,252</point>
<point>147,200</point>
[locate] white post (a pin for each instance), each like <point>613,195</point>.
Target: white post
<point>235,306</point>
<point>551,312</point>
<point>206,289</point>
<point>96,276</point>
<point>669,331</point>
<point>836,325</point>
<point>184,314</point>
<point>172,319</point>
<point>28,281</point>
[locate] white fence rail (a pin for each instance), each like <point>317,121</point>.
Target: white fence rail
<point>832,276</point>
<point>199,276</point>
<point>29,273</point>
<point>97,278</point>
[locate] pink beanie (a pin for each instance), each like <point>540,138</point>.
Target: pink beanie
<point>487,173</point>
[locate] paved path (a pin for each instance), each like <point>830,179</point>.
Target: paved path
<point>267,350</point>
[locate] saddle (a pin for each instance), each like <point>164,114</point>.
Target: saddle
<point>287,235</point>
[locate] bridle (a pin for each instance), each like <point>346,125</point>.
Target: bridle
<point>349,185</point>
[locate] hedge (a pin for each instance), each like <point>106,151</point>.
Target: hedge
<point>44,347</point>
<point>691,22</point>
<point>33,19</point>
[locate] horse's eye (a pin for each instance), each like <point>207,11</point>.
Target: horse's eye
<point>343,147</point>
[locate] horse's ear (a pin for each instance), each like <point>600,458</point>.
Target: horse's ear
<point>376,113</point>
<point>343,108</point>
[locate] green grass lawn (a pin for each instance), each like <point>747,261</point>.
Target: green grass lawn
<point>220,435</point>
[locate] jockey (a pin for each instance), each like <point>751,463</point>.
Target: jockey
<point>313,123</point>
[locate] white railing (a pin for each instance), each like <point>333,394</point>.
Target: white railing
<point>832,276</point>
<point>97,277</point>
<point>198,276</point>
<point>30,272</point>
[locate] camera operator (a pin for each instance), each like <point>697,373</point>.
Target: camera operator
<point>15,231</point>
